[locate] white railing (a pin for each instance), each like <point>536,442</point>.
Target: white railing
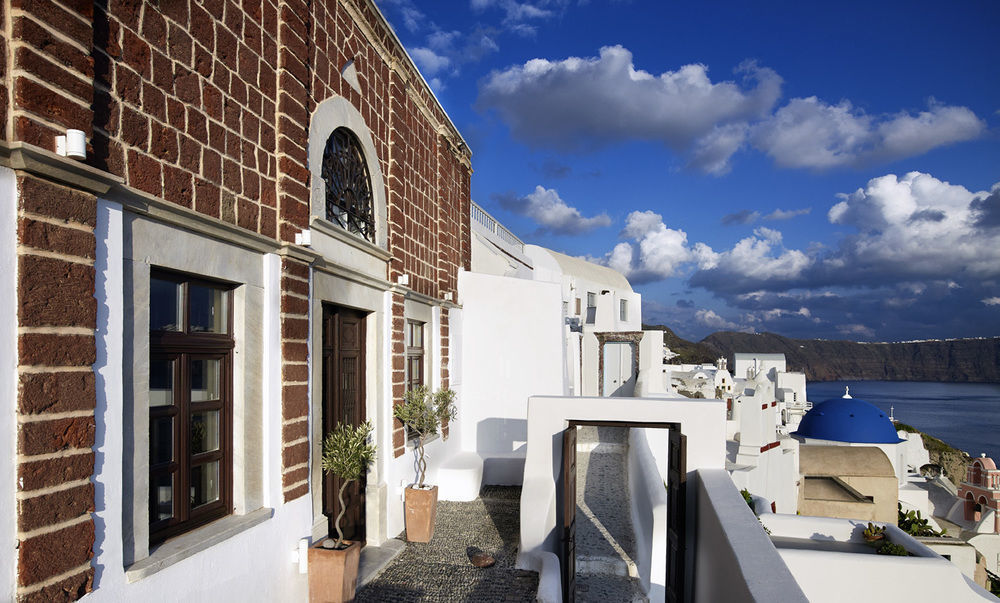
<point>490,223</point>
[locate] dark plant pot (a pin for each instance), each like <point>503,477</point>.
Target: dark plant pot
<point>421,511</point>
<point>333,573</point>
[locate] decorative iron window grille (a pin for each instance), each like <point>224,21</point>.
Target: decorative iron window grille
<point>349,201</point>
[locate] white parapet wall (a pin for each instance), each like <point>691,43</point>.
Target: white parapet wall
<point>702,421</point>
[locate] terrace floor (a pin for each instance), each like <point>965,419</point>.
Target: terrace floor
<point>440,570</point>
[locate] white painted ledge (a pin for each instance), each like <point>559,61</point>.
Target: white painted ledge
<point>187,545</point>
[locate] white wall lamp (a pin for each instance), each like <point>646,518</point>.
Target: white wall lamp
<point>72,145</point>
<point>449,296</point>
<point>303,238</point>
<point>403,279</point>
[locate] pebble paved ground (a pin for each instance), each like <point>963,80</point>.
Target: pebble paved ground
<point>440,569</point>
<point>605,539</point>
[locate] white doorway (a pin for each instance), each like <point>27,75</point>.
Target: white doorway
<point>619,369</point>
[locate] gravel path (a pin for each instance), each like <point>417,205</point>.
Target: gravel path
<point>440,569</point>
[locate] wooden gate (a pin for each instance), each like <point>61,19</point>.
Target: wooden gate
<point>676,507</point>
<point>569,514</point>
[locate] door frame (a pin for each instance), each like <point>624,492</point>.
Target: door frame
<point>328,354</point>
<point>633,337</point>
<point>676,504</point>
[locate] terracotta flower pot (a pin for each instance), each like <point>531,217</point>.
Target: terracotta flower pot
<point>333,574</point>
<point>421,511</point>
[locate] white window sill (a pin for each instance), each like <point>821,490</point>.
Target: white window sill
<point>187,545</point>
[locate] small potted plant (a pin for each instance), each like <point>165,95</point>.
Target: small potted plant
<point>423,412</point>
<point>873,534</point>
<point>333,564</point>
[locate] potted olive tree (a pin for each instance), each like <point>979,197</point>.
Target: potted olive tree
<point>423,412</point>
<point>333,564</point>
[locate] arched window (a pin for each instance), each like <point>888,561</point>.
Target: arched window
<point>349,201</point>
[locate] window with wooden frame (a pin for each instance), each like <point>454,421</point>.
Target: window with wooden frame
<point>190,403</point>
<point>591,308</point>
<point>414,354</point>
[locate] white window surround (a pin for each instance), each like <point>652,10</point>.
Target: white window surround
<point>147,245</point>
<point>333,113</point>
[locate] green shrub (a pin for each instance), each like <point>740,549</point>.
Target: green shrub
<point>347,453</point>
<point>913,524</point>
<point>888,548</point>
<point>422,413</point>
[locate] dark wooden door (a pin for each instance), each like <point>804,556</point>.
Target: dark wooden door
<point>344,402</point>
<point>676,493</point>
<point>569,515</point>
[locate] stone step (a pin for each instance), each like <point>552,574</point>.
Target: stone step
<point>607,589</point>
<point>601,448</point>
<point>606,565</point>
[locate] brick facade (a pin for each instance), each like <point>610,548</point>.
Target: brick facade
<point>205,105</point>
<point>56,317</point>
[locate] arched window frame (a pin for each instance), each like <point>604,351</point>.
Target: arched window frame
<point>330,115</point>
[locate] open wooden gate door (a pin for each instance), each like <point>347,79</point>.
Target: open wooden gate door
<point>676,500</point>
<point>569,515</point>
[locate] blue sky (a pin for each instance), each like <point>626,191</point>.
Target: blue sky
<point>819,171</point>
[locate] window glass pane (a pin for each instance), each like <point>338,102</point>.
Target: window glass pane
<point>204,483</point>
<point>591,300</point>
<point>161,497</point>
<point>204,379</point>
<point>418,335</point>
<point>161,382</point>
<point>164,305</point>
<point>161,440</point>
<point>209,309</point>
<point>204,431</point>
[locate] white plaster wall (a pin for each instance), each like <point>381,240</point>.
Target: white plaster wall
<point>989,546</point>
<point>512,349</point>
<point>703,421</point>
<point>649,510</point>
<point>8,383</point>
<point>255,564</point>
<point>735,560</point>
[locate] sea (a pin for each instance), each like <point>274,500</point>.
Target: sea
<point>965,415</point>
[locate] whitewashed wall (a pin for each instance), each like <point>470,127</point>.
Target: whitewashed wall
<point>512,349</point>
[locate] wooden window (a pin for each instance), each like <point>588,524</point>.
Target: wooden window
<point>577,306</point>
<point>414,354</point>
<point>190,403</point>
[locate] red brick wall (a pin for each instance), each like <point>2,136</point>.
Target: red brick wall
<point>207,105</point>
<point>57,315</point>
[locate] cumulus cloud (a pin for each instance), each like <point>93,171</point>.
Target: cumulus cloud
<point>810,133</point>
<point>552,214</point>
<point>987,209</point>
<point>710,319</point>
<point>912,228</point>
<point>429,62</point>
<point>651,250</point>
<point>992,301</point>
<point>589,102</point>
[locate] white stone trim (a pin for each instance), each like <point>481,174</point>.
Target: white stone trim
<point>148,244</point>
<point>329,115</point>
<point>8,380</point>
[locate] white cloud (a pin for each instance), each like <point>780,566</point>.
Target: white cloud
<point>992,301</point>
<point>897,241</point>
<point>810,133</point>
<point>429,62</point>
<point>547,208</point>
<point>710,319</point>
<point>654,251</point>
<point>594,101</point>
